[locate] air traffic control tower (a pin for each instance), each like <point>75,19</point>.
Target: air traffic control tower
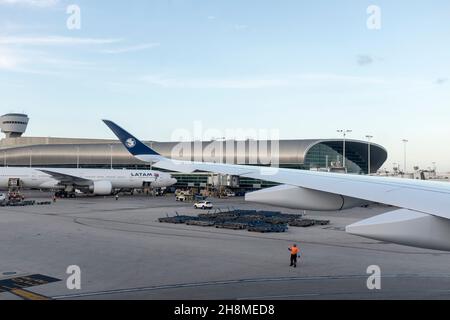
<point>13,125</point>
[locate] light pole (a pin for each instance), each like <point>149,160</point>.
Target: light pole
<point>344,133</point>
<point>404,154</point>
<point>369,146</point>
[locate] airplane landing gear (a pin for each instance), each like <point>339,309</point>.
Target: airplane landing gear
<point>65,194</point>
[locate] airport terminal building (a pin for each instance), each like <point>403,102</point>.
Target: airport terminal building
<point>311,154</point>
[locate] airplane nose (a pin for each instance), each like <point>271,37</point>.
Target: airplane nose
<point>173,181</point>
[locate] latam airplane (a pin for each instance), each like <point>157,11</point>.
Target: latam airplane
<point>93,181</point>
<point>420,215</point>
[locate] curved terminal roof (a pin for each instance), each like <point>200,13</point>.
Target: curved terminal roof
<point>292,153</point>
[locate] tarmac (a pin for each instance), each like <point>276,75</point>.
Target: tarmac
<point>123,252</point>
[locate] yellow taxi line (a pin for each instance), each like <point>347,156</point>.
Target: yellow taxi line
<point>27,295</point>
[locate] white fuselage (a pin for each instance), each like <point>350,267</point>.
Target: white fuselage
<point>33,178</point>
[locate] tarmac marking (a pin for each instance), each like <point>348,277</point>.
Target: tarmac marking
<point>18,285</point>
<point>28,295</point>
<point>241,281</point>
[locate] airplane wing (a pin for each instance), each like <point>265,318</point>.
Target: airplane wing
<point>421,216</point>
<point>64,178</point>
<point>422,196</point>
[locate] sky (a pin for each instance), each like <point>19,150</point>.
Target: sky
<point>302,69</point>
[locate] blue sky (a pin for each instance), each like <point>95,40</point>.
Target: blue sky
<point>305,68</point>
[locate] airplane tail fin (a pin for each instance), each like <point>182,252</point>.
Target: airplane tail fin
<point>144,153</point>
<point>133,145</point>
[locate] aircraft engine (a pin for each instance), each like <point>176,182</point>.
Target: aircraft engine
<point>304,199</point>
<point>407,227</point>
<point>101,188</point>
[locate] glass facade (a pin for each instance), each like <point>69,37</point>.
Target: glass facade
<point>190,180</point>
<point>327,154</point>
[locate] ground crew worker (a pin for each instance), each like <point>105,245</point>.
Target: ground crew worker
<point>117,196</point>
<point>294,253</point>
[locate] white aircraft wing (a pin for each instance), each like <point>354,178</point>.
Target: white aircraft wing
<point>421,217</point>
<point>64,178</point>
<point>422,196</point>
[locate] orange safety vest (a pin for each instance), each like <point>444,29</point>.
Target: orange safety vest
<point>294,250</point>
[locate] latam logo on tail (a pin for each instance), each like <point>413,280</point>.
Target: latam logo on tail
<point>131,143</point>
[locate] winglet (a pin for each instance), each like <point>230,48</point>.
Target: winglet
<point>133,145</point>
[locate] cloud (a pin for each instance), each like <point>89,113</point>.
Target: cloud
<point>31,3</point>
<point>364,60</point>
<point>54,40</point>
<point>239,27</point>
<point>16,55</point>
<point>310,82</point>
<point>23,59</point>
<point>262,82</point>
<point>204,83</point>
<point>441,80</point>
<point>14,61</point>
<point>131,48</point>
<point>7,60</point>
